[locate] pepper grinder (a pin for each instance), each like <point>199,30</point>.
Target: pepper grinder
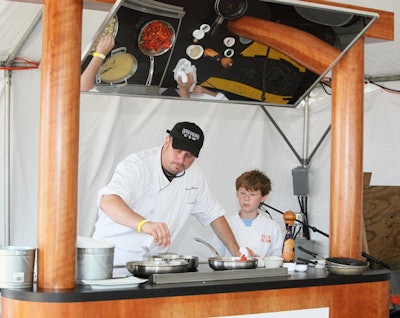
<point>288,244</point>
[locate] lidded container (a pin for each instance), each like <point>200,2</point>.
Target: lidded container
<point>94,258</point>
<point>17,264</point>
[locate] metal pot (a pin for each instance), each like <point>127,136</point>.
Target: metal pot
<point>150,28</point>
<point>192,261</point>
<point>147,268</point>
<point>224,263</point>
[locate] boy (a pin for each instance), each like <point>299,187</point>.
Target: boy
<point>251,228</point>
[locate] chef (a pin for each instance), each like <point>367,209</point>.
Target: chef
<point>153,192</point>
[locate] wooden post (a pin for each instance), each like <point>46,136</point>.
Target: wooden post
<point>58,148</point>
<point>347,153</point>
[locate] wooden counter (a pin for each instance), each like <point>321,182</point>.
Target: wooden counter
<point>364,296</point>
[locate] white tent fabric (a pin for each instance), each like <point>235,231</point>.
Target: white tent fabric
<point>238,137</point>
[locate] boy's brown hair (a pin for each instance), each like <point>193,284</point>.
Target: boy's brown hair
<point>254,180</point>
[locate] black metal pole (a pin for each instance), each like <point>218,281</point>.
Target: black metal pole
<point>262,204</point>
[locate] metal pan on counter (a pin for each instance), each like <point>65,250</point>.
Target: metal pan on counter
<point>147,268</point>
<point>340,265</point>
<point>226,263</point>
<point>192,261</point>
<point>218,262</point>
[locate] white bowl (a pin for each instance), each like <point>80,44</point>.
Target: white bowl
<point>273,262</point>
<point>229,52</point>
<point>194,51</point>
<point>229,41</point>
<point>198,34</point>
<point>301,267</point>
<point>205,28</point>
<point>291,267</point>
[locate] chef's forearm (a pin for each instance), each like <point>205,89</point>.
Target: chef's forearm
<point>119,211</point>
<point>225,234</point>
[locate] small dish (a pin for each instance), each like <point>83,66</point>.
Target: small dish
<point>244,40</point>
<point>229,41</point>
<point>291,267</point>
<point>194,51</point>
<point>273,262</point>
<point>205,28</point>
<point>301,267</point>
<point>198,34</point>
<point>229,52</point>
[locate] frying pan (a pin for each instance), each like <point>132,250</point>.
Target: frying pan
<point>228,9</point>
<point>155,38</point>
<point>340,265</point>
<point>218,262</point>
<point>226,263</point>
<point>147,268</point>
<point>192,261</point>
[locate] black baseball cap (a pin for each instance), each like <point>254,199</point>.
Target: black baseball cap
<point>187,136</point>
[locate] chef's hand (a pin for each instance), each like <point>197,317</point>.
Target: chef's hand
<point>159,231</point>
<point>184,88</point>
<point>105,45</point>
<point>246,251</point>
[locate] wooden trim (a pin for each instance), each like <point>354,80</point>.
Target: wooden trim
<point>302,47</point>
<point>382,29</point>
<point>367,300</point>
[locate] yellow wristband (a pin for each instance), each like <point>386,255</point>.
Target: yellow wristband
<point>139,228</point>
<point>97,54</point>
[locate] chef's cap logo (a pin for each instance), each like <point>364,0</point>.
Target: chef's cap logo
<point>190,134</point>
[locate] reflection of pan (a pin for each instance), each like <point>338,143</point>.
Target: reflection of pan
<point>155,38</point>
<point>228,9</point>
<point>118,68</point>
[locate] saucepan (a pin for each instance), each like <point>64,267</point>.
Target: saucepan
<point>218,262</point>
<point>156,37</point>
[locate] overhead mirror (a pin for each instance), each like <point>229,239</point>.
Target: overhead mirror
<point>250,51</point>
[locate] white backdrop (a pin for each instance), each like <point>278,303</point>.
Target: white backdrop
<point>237,138</point>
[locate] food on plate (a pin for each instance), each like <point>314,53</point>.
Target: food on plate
<point>118,68</point>
<point>111,29</point>
<point>156,36</point>
<point>212,54</point>
<point>227,62</point>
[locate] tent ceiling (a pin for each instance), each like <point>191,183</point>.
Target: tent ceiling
<point>18,18</point>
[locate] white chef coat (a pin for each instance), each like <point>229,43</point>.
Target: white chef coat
<point>264,236</point>
<point>141,183</point>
